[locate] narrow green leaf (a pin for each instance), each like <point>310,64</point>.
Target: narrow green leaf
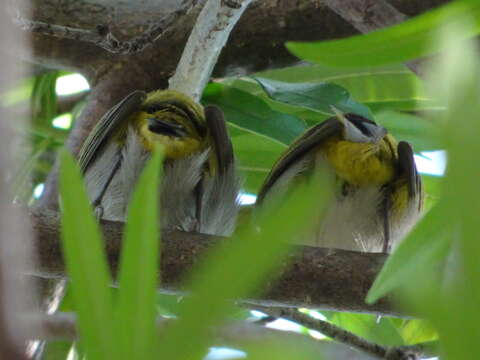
<point>411,39</point>
<point>139,264</point>
<point>235,268</point>
<point>318,96</point>
<point>86,265</point>
<point>252,114</point>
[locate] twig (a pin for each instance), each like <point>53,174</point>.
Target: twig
<point>343,336</point>
<point>371,15</point>
<point>208,37</point>
<point>102,35</point>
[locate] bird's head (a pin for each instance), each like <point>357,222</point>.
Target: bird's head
<point>358,129</point>
<point>173,120</point>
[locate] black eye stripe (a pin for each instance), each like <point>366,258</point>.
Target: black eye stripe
<point>178,108</point>
<point>359,121</point>
<point>352,117</point>
<point>152,108</point>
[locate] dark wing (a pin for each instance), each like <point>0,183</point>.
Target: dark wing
<point>106,127</point>
<point>311,138</point>
<point>409,170</point>
<point>221,140</point>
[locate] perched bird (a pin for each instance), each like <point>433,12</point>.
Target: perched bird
<point>377,190</point>
<point>199,186</point>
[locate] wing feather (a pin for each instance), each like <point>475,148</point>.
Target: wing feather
<point>409,170</point>
<point>311,138</point>
<point>107,125</point>
<point>222,146</point>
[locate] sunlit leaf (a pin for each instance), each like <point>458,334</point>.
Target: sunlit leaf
<point>380,331</point>
<point>417,331</point>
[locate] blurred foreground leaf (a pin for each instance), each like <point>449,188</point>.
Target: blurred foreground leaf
<point>139,264</point>
<point>86,265</point>
<point>414,38</point>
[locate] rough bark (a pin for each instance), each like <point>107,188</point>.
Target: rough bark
<point>256,42</point>
<point>310,277</point>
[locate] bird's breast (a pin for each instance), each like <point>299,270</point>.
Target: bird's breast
<point>360,164</point>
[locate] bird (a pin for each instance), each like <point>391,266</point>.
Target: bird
<point>377,194</point>
<point>200,183</point>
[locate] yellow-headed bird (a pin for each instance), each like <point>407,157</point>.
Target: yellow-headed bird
<point>378,191</point>
<point>199,186</point>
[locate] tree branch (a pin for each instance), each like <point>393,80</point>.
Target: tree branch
<point>310,277</point>
<point>102,35</point>
<point>206,41</point>
<point>255,44</point>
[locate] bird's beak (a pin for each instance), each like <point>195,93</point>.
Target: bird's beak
<point>166,128</point>
<point>339,114</point>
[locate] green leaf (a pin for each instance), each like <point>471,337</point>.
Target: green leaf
<point>86,265</point>
<point>139,263</point>
<point>387,87</point>
<point>411,39</point>
<point>417,331</point>
<point>381,331</point>
<point>421,133</point>
<point>316,96</point>
<point>44,97</point>
<point>234,269</point>
<point>458,85</point>
<point>255,156</point>
<point>57,350</point>
<point>425,248</point>
<point>252,114</point>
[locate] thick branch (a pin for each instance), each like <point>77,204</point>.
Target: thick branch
<point>311,277</point>
<point>256,42</point>
<point>101,35</point>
